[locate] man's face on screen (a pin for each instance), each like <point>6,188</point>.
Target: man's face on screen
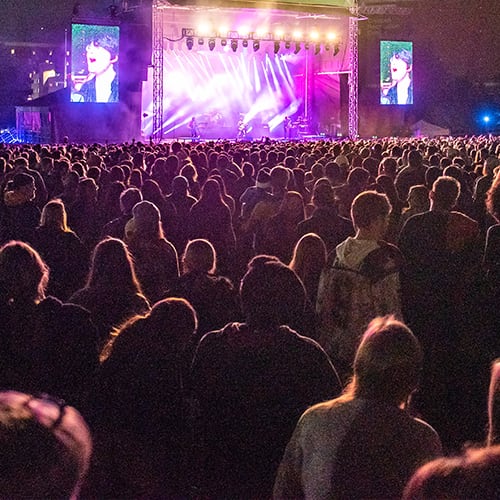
<point>399,69</point>
<point>98,59</point>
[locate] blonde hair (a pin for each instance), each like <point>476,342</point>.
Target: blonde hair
<point>54,216</point>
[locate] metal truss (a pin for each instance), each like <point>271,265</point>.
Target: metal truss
<point>157,133</point>
<point>353,111</point>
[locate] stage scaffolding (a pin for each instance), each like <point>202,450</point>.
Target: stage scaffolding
<point>159,40</point>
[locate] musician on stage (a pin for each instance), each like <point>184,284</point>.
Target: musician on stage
<point>287,123</point>
<point>242,130</point>
<point>193,126</point>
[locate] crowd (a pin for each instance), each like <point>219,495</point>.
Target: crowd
<point>250,319</point>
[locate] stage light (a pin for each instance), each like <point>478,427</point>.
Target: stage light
<point>204,29</point>
<point>327,46</point>
<point>288,44</point>
<point>279,33</point>
<point>486,119</point>
<point>331,36</point>
<point>297,48</point>
<point>189,42</point>
<point>256,45</point>
<point>201,41</point>
<point>261,32</point>
<point>314,35</point>
<point>297,35</point>
<point>223,42</point>
<point>336,50</point>
<point>276,47</point>
<point>211,43</point>
<point>317,49</point>
<point>234,45</point>
<point>306,45</point>
<point>245,43</point>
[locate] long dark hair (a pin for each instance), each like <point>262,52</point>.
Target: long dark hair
<point>113,268</point>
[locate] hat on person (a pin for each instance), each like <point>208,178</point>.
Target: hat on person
<point>263,180</point>
<point>19,180</point>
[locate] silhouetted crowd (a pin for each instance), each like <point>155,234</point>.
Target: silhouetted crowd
<point>251,319</point>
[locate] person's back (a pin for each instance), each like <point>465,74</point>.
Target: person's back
<point>253,380</point>
<point>441,259</point>
<point>411,175</point>
<point>373,450</point>
<point>362,445</point>
<point>361,283</point>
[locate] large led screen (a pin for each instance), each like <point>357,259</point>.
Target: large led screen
<point>396,72</point>
<point>94,63</point>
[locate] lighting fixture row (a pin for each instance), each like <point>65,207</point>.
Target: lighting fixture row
<point>234,38</point>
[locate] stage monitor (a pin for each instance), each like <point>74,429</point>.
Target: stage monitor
<point>396,72</point>
<point>94,63</point>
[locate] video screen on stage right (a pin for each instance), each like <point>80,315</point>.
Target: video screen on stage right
<point>396,72</point>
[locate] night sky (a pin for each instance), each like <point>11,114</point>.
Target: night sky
<point>463,34</point>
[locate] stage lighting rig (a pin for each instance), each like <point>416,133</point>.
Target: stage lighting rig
<point>336,50</point>
<point>244,43</point>
<point>256,45</point>
<point>189,42</point>
<point>234,45</point>
<point>201,41</point>
<point>317,49</point>
<point>297,48</point>
<point>276,46</point>
<point>223,42</point>
<point>288,44</point>
<point>211,43</point>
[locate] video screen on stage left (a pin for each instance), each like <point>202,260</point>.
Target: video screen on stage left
<point>94,63</point>
<point>396,72</point>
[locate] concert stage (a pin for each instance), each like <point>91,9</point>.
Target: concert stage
<point>241,71</point>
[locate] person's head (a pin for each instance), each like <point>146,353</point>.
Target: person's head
<point>388,362</point>
<point>129,198</point>
<point>54,216</point>
<point>112,268</point>
<point>445,193</point>
<point>280,177</point>
<point>271,293</point>
<point>45,447</point>
<point>102,53</point>
<point>263,180</point>
<point>211,191</point>
<point>494,405</point>
<point>292,206</point>
<point>145,222</point>
<point>167,328</point>
<point>401,65</point>
<point>418,198</point>
<point>180,185</point>
<point>309,256</point>
<point>200,256</point>
<point>23,274</point>
<point>370,208</point>
<point>472,475</point>
<point>490,164</point>
<point>493,198</point>
<point>415,159</point>
<point>87,190</point>
<point>323,195</point>
<point>24,184</point>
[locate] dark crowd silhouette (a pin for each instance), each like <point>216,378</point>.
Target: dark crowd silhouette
<point>258,319</point>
